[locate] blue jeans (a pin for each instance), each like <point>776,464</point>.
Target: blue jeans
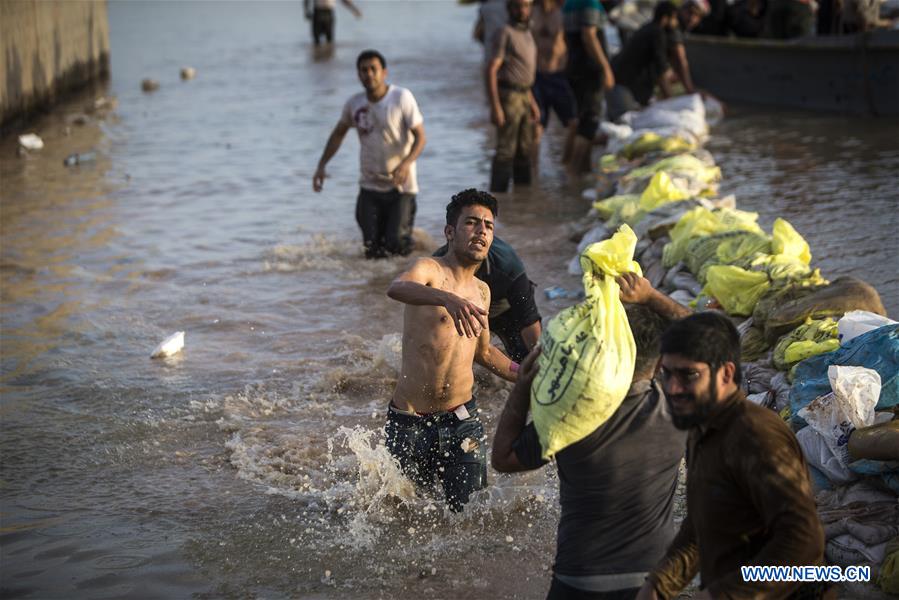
<point>430,447</point>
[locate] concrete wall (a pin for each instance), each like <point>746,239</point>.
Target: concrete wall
<point>50,47</point>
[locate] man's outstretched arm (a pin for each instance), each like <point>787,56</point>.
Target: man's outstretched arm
<point>638,290</point>
<point>331,148</point>
<point>416,287</point>
<point>488,355</point>
<point>353,8</point>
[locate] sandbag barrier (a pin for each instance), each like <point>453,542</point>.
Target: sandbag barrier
<point>810,346</point>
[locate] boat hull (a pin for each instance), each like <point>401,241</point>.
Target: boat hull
<point>856,74</point>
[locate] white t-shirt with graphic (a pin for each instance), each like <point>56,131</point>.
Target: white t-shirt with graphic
<point>385,136</point>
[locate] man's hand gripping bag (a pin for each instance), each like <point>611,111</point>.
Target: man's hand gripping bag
<point>588,351</point>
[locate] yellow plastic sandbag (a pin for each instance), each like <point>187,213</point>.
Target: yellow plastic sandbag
<point>701,221</point>
<point>609,207</point>
<point>814,337</point>
<point>742,247</point>
<point>653,142</point>
<point>736,289</point>
<point>785,240</point>
<point>682,164</point>
<point>588,351</point>
<point>609,163</point>
<point>661,190</point>
<point>799,351</point>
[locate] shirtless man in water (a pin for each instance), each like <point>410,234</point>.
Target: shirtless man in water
<point>433,428</point>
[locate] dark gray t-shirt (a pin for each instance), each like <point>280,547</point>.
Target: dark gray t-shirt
<point>516,47</point>
<point>616,487</point>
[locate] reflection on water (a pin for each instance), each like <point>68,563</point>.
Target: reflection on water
<point>252,464</point>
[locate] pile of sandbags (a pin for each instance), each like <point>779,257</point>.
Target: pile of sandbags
<point>821,353</point>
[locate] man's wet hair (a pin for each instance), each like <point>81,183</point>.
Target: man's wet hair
<point>369,54</point>
<point>647,327</point>
<point>663,9</point>
<point>707,337</point>
<point>469,197</point>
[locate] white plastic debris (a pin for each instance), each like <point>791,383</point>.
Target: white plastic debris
<point>31,141</point>
<point>857,322</point>
<point>169,346</point>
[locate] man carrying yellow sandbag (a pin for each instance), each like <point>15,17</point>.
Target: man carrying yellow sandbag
<point>617,483</point>
<point>588,350</point>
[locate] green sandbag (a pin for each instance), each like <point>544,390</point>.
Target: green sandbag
<point>727,248</point>
<point>703,222</point>
<point>753,345</point>
<point>778,295</point>
<point>815,336</point>
<point>833,300</point>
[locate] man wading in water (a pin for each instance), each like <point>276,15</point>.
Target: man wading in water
<point>433,428</point>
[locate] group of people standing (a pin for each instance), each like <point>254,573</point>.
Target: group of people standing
<point>749,499</point>
<point>553,56</point>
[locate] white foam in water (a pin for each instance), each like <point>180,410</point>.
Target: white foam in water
<point>390,352</point>
<point>321,445</point>
<point>335,255</point>
<point>322,252</point>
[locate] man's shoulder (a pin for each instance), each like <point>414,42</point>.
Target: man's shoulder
<point>428,264</point>
<point>503,258</point>
<point>642,415</point>
<point>751,425</point>
<point>400,93</point>
<point>358,97</point>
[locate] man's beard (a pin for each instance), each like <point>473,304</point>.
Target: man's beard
<point>466,257</point>
<point>702,407</point>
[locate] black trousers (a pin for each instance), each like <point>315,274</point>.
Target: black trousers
<point>385,219</point>
<point>322,25</point>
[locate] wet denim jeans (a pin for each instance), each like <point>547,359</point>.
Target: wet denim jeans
<point>440,446</point>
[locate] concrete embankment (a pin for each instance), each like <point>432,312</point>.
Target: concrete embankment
<point>50,47</point>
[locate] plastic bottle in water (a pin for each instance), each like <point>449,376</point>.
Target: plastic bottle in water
<point>77,159</point>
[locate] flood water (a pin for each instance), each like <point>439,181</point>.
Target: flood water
<point>249,465</point>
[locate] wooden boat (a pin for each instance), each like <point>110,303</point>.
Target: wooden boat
<point>856,73</point>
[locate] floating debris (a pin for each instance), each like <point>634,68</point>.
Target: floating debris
<point>31,141</point>
<point>169,346</point>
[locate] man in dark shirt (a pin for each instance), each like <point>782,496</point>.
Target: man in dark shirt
<point>514,317</point>
<point>643,61</point>
<point>749,500</point>
<point>617,484</point>
<point>689,16</point>
<point>589,72</point>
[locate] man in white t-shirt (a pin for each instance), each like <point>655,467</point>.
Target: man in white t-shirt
<point>391,137</point>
